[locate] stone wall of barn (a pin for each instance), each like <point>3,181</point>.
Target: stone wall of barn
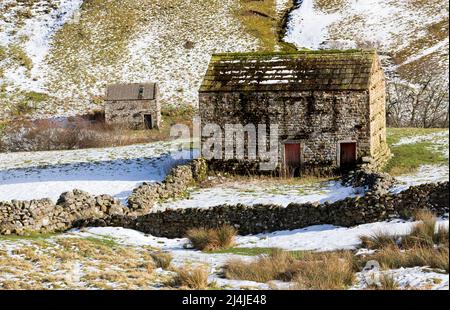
<point>131,112</point>
<point>377,100</point>
<point>318,120</point>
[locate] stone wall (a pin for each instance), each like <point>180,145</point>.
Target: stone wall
<point>269,218</point>
<point>317,120</point>
<point>144,197</point>
<point>130,113</point>
<point>44,216</point>
<point>74,207</point>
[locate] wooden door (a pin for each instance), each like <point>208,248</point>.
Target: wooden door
<point>292,156</point>
<point>348,155</point>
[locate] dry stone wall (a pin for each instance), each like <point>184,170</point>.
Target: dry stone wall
<point>74,207</point>
<point>77,209</point>
<point>268,218</point>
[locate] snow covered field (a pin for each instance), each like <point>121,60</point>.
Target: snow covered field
<point>113,171</point>
<point>316,238</point>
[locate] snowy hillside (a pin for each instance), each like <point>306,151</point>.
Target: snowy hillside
<point>411,34</point>
<point>62,53</point>
<point>58,55</point>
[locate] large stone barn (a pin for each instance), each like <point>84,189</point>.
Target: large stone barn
<point>134,105</point>
<point>329,105</point>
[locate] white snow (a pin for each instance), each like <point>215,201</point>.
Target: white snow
<point>326,237</point>
<point>313,238</point>
<point>252,194</point>
<point>425,174</point>
<point>411,278</point>
<point>308,27</point>
<point>36,35</point>
<point>440,136</point>
<point>113,171</point>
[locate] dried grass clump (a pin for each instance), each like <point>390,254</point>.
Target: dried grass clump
<point>162,259</point>
<point>190,278</point>
<point>326,271</point>
<point>329,270</point>
<point>212,239</point>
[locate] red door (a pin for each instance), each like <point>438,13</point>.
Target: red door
<point>348,155</point>
<point>292,157</point>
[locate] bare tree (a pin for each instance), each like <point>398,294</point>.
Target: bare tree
<point>425,104</point>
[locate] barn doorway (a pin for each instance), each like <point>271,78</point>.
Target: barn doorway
<point>347,156</point>
<point>292,159</point>
<point>148,123</point>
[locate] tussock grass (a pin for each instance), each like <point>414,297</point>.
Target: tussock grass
<point>190,278</point>
<point>393,257</point>
<point>426,245</point>
<point>212,239</point>
<point>162,259</point>
<point>327,271</point>
<point>378,240</point>
<point>333,270</point>
<point>387,283</point>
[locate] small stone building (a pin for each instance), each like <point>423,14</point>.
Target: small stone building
<point>329,105</point>
<point>134,105</point>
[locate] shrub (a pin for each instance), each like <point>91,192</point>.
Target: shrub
<point>191,278</point>
<point>162,259</point>
<point>212,239</point>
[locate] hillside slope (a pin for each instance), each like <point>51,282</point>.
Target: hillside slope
<point>65,51</point>
<point>56,56</point>
<point>412,35</point>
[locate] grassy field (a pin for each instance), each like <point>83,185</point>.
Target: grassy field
<point>409,157</point>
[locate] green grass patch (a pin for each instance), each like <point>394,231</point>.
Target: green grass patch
<point>255,252</point>
<point>105,241</point>
<point>409,157</point>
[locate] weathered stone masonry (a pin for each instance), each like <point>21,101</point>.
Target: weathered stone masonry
<point>269,218</point>
<point>79,209</point>
<point>319,100</point>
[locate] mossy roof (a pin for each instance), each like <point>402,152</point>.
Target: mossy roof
<point>295,71</point>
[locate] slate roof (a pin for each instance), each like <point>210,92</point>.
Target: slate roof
<point>131,91</point>
<point>298,71</point>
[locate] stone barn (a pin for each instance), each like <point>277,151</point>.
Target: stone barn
<point>135,105</point>
<point>329,106</point>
